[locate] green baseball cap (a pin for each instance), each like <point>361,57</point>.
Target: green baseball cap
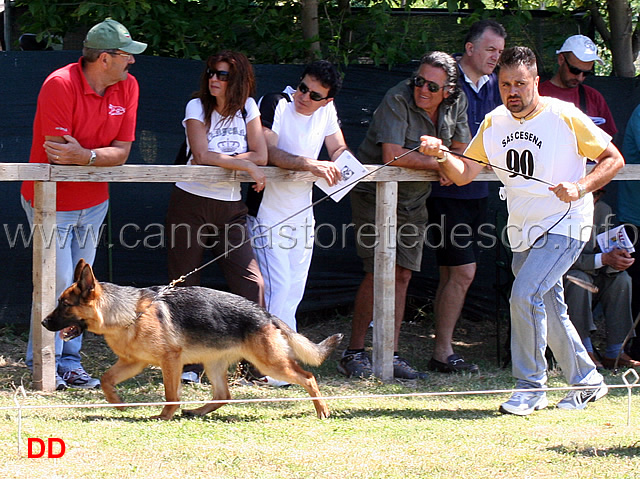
<point>111,35</point>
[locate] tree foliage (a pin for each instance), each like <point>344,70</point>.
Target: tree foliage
<point>615,21</point>
<point>345,31</point>
<point>268,31</point>
<point>181,28</point>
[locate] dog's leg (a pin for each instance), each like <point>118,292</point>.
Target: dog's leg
<point>289,370</point>
<point>271,358</point>
<point>120,371</point>
<point>308,381</point>
<point>217,374</point>
<point>171,369</point>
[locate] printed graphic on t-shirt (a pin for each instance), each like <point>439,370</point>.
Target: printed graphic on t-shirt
<point>226,139</point>
<point>520,164</point>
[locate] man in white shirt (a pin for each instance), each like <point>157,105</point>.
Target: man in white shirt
<point>296,124</point>
<point>540,138</point>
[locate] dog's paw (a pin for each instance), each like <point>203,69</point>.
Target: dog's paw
<point>323,413</point>
<point>201,411</point>
<point>161,417</point>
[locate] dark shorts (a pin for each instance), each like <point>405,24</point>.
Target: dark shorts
<point>411,224</point>
<point>453,229</point>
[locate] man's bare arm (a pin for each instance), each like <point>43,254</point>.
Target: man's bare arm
<point>66,150</point>
<point>288,161</point>
<point>608,164</point>
<point>414,159</point>
<point>458,170</point>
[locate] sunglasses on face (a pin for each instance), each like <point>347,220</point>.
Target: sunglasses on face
<point>419,82</point>
<point>121,54</point>
<point>221,74</point>
<point>576,70</point>
<point>314,95</point>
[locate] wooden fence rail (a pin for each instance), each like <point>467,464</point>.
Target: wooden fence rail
<point>44,258</point>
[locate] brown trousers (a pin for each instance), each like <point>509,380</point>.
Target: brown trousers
<point>195,224</point>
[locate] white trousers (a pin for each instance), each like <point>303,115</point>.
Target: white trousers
<point>284,256</point>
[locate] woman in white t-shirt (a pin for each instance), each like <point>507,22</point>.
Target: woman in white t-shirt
<point>223,128</point>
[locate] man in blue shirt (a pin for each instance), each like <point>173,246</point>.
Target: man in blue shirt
<point>629,213</point>
<point>458,208</point>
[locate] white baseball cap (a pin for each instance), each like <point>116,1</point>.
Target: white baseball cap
<point>582,47</point>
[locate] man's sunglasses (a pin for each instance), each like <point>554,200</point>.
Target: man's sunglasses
<point>121,54</point>
<point>419,82</point>
<point>314,95</point>
<point>576,70</point>
<point>221,74</point>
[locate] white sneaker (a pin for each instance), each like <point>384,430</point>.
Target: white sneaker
<point>61,384</point>
<point>578,398</point>
<point>269,381</point>
<point>524,403</point>
<point>190,377</point>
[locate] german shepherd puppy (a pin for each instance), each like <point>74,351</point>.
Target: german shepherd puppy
<point>170,327</point>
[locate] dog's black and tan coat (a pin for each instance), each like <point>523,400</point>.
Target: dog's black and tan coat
<point>170,327</point>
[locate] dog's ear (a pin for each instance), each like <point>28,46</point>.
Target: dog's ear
<point>86,281</point>
<point>78,270</point>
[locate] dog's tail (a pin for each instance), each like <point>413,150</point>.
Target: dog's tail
<point>307,351</point>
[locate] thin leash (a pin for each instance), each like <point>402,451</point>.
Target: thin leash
<point>182,278</point>
<point>526,177</point>
<point>164,289</point>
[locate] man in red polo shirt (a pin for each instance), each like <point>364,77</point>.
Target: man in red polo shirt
<point>86,116</point>
<point>576,59</point>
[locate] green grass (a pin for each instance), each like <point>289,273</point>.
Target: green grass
<point>380,437</point>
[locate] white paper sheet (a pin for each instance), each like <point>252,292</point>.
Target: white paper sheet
<point>615,238</point>
<point>352,171</point>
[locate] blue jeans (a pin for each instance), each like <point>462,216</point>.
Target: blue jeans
<point>539,315</point>
<point>78,234</point>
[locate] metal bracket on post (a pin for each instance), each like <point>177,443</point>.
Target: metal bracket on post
<point>44,285</point>
<point>384,280</point>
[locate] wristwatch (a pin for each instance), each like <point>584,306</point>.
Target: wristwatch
<point>581,189</point>
<point>444,150</point>
<point>92,159</point>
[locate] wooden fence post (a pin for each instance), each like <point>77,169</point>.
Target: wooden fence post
<point>44,285</point>
<point>384,280</point>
